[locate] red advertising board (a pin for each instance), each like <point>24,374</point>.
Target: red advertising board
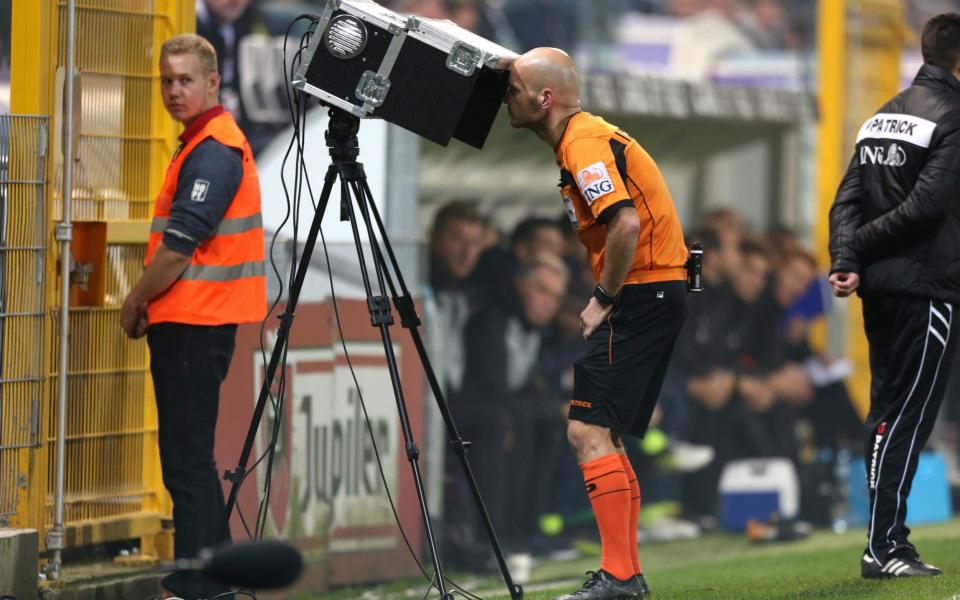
<point>327,495</point>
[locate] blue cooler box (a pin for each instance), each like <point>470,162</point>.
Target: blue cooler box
<point>758,489</point>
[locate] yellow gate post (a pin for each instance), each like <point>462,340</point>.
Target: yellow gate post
<point>859,45</point>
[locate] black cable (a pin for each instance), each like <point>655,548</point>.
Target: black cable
<point>273,242</point>
<point>279,400</point>
<point>299,118</point>
<point>431,587</point>
<point>243,520</point>
<point>276,271</point>
<point>271,450</point>
<point>286,217</point>
<point>292,215</point>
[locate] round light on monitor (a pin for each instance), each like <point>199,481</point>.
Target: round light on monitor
<point>346,37</point>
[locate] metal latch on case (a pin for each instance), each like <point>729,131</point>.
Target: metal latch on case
<point>373,88</point>
<point>463,59</point>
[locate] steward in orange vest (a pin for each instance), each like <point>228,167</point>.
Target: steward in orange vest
<point>225,281</point>
<point>203,275</point>
<point>204,262</point>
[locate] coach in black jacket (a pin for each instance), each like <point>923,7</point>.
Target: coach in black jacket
<point>895,239</point>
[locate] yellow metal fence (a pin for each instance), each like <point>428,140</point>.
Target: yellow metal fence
<point>106,424</point>
<point>116,54</point>
<point>113,484</point>
<point>123,141</point>
<point>23,230</point>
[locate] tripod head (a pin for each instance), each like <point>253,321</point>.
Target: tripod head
<point>341,136</point>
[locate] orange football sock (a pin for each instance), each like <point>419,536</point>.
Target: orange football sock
<point>634,511</point>
<point>609,491</point>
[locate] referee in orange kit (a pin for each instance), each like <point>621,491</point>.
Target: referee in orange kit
<point>622,211</point>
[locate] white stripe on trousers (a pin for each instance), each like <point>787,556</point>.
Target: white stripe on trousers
<point>926,342</point>
<point>926,402</point>
<point>886,444</point>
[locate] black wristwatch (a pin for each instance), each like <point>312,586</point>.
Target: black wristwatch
<point>603,296</point>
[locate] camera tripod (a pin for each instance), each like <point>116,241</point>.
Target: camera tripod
<point>357,201</point>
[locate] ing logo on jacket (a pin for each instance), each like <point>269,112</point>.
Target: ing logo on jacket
<point>894,156</point>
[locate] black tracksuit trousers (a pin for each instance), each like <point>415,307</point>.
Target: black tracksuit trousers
<point>911,345</point>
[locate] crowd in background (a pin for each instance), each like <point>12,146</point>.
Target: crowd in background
<point>749,42</point>
<point>532,23</point>
<point>683,38</point>
<point>744,381</point>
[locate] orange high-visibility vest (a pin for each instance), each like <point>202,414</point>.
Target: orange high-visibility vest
<point>225,281</point>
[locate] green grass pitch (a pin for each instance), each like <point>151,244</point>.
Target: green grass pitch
<point>726,567</point>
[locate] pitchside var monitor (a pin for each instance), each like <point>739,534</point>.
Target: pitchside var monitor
<point>425,75</point>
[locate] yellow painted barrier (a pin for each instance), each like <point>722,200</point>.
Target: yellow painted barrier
<point>124,140</point>
<point>23,232</point>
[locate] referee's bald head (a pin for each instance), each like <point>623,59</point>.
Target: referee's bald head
<point>551,68</point>
<point>543,90</point>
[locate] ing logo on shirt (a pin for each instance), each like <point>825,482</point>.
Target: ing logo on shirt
<point>595,182</point>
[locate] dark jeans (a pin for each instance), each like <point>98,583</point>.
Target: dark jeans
<point>188,363</point>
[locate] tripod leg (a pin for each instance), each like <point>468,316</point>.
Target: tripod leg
<point>409,319</point>
<point>236,476</point>
<point>381,318</point>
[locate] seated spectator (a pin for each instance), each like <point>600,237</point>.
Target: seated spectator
<point>498,265</point>
<point>814,386</point>
<point>534,236</point>
<point>736,405</point>
<point>455,246</point>
<point>783,241</point>
<point>835,421</point>
<point>702,367</point>
<point>562,489</point>
<point>800,377</point>
<point>499,408</point>
<point>575,255</point>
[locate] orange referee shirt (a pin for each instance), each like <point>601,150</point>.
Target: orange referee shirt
<point>602,169</point>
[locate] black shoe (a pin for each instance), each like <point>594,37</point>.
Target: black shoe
<point>908,565</point>
<point>604,586</point>
<point>639,586</point>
